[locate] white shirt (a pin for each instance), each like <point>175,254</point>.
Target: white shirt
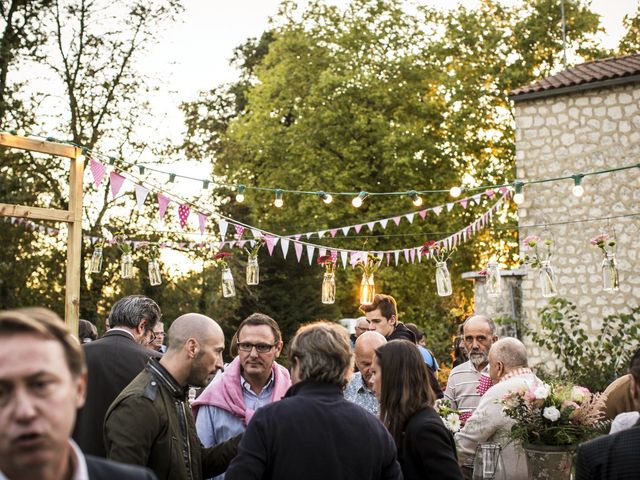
<point>78,464</point>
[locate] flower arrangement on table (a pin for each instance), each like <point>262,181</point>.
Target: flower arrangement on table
<point>556,414</point>
<point>538,251</point>
<point>449,416</point>
<point>438,252</point>
<point>329,262</point>
<point>220,259</point>
<point>604,243</point>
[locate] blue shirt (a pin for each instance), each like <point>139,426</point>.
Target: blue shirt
<point>357,392</point>
<point>215,425</point>
<point>428,358</point>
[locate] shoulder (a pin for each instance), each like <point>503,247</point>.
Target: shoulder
<point>100,469</point>
<point>462,368</point>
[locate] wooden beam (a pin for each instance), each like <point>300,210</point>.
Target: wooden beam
<point>74,246</point>
<point>35,145</point>
<point>37,213</point>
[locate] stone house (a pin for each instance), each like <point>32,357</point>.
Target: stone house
<point>584,119</point>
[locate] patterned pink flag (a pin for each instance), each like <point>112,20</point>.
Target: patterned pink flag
<point>98,170</point>
<point>116,180</point>
<point>163,203</point>
<point>239,230</point>
<point>183,214</point>
<point>202,220</point>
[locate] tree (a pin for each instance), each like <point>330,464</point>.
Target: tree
<point>630,43</point>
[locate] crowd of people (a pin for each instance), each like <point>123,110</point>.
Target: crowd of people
<point>125,405</point>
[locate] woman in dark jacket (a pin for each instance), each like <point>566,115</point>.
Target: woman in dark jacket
<point>400,380</point>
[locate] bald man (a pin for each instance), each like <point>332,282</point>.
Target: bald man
<point>357,390</point>
<point>509,371</point>
<point>150,422</point>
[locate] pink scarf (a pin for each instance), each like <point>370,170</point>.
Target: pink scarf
<point>225,392</point>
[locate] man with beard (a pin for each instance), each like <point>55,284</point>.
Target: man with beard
<point>150,423</point>
<point>462,387</point>
<point>252,380</point>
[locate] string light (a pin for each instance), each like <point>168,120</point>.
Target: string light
<point>326,197</point>
<point>455,192</point>
<point>172,177</point>
<point>141,169</point>
<point>518,198</point>
<point>240,193</point>
<point>278,203</point>
<point>415,198</point>
<point>357,201</point>
<point>578,189</point>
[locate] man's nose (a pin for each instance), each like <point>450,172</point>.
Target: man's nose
<point>25,407</point>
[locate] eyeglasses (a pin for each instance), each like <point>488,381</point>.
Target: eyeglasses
<point>158,334</point>
<point>260,347</point>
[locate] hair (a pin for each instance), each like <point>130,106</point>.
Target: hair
<point>634,366</point>
<point>386,304</point>
<point>322,351</point>
<point>46,324</point>
<point>419,334</point>
<point>490,323</point>
<point>261,319</point>
<point>130,311</point>
<point>511,352</point>
<point>405,388</point>
<point>87,331</point>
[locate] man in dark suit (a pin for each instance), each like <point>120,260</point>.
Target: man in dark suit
<point>113,361</point>
<point>616,455</point>
<point>43,380</point>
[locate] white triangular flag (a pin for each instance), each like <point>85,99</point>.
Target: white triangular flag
<point>419,254</point>
<point>384,222</point>
<point>322,252</point>
<point>223,225</point>
<point>396,255</point>
<point>141,195</point>
<point>345,230</point>
<point>284,244</point>
<point>409,216</point>
<point>310,249</point>
<point>450,206</point>
<point>477,198</point>
<point>321,233</point>
<point>343,256</point>
<point>371,225</point>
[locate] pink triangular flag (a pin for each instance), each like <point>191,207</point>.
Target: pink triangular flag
<point>503,190</point>
<point>183,214</point>
<point>464,202</point>
<point>490,193</point>
<point>412,254</point>
<point>116,180</point>
<point>388,258</point>
<point>298,248</point>
<point>141,195</point>
<point>396,220</point>
<point>333,232</point>
<point>98,170</point>
<point>357,228</point>
<point>406,255</point>
<point>163,203</point>
<point>241,243</point>
<point>422,213</point>
<point>297,237</point>
<point>270,242</point>
<point>239,230</point>
<point>202,221</point>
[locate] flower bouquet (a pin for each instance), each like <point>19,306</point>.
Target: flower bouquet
<point>610,275</point>
<point>329,280</point>
<point>253,269</point>
<point>153,265</point>
<point>440,254</point>
<point>228,285</point>
<point>126,265</point>
<point>369,264</point>
<point>449,416</point>
<point>538,256</point>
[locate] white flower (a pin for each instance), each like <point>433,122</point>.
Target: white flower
<point>551,413</point>
<point>453,422</point>
<point>541,392</point>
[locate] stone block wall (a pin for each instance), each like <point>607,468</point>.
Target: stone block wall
<point>566,135</point>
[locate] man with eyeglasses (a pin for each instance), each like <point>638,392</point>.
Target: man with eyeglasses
<point>157,339</point>
<point>112,362</point>
<point>253,379</point>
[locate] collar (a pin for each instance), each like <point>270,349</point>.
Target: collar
<point>484,371</point>
<point>516,373</point>
<point>165,378</point>
<point>118,329</point>
<point>247,387</point>
<point>78,462</point>
<point>364,387</point>
<point>310,388</point>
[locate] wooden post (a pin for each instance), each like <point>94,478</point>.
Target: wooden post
<point>72,217</point>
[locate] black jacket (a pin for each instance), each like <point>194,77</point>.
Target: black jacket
<point>151,424</point>
<point>112,362</point>
<point>610,457</point>
<point>313,433</point>
<point>401,333</point>
<point>101,469</point>
<point>428,449</point>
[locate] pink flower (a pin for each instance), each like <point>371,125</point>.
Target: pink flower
<point>580,394</point>
<point>531,240</point>
<point>600,239</point>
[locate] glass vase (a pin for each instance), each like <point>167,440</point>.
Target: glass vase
<point>126,266</point>
<point>367,289</point>
<point>228,287</point>
<point>443,279</point>
<point>610,276</point>
<point>547,279</point>
<point>95,266</point>
<point>549,462</point>
<point>154,272</point>
<point>488,463</point>
<point>253,271</point>
<point>493,280</point>
<point>329,288</point>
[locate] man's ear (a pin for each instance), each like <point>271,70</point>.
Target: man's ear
<point>279,348</point>
<point>81,389</point>
<point>393,320</point>
<point>193,347</point>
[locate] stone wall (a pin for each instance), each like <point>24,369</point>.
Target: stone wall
<point>565,135</point>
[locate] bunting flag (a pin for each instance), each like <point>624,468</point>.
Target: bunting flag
<point>333,232</point>
<point>239,230</point>
<point>241,243</point>
<point>310,249</point>
<point>371,226</point>
<point>141,195</point>
<point>396,256</point>
<point>115,180</point>
<point>423,214</point>
<point>222,226</point>
<point>437,210</point>
<point>343,256</point>
<point>345,230</point>
<point>409,216</point>
<point>183,214</point>
<point>202,222</point>
<point>464,202</point>
<point>98,170</point>
<point>257,233</point>
<point>298,248</point>
<point>477,198</point>
<point>490,193</point>
<point>270,242</point>
<point>396,220</point>
<point>384,222</point>
<point>357,228</point>
<point>450,206</point>
<point>284,245</point>
<point>406,255</point>
<point>412,254</point>
<point>388,258</point>
<point>321,233</point>
<point>163,203</point>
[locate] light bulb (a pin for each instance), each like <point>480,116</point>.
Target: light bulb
<point>415,198</point>
<point>455,192</point>
<point>357,201</point>
<point>578,189</point>
<point>326,198</point>
<point>518,198</point>
<point>278,202</point>
<point>240,194</point>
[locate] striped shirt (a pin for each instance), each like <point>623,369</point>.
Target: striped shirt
<point>462,387</point>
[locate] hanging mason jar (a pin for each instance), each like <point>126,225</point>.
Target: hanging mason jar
<point>610,275</point>
<point>228,287</point>
<point>547,279</point>
<point>253,271</point>
<point>367,289</point>
<point>96,261</point>
<point>493,280</point>
<point>154,272</point>
<point>443,279</point>
<point>126,266</point>
<point>329,288</point>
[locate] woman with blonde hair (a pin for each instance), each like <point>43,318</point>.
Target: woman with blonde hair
<point>400,380</point>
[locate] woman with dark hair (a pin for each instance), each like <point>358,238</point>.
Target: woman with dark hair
<point>400,380</point>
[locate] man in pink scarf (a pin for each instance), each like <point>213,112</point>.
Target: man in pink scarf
<point>253,379</point>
